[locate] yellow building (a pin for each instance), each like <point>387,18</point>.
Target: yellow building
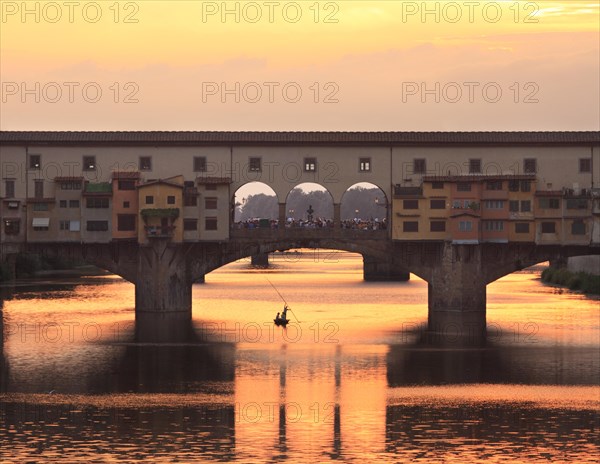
<point>549,217</point>
<point>160,207</point>
<point>437,209</point>
<point>408,223</point>
<point>521,204</point>
<point>577,217</point>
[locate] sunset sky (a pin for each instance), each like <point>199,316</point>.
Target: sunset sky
<point>372,61</point>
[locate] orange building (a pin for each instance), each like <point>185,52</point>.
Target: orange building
<point>548,217</point>
<point>125,205</point>
<point>521,196</point>
<point>160,207</point>
<point>466,209</point>
<point>465,216</point>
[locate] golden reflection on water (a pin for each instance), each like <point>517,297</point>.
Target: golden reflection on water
<point>348,382</point>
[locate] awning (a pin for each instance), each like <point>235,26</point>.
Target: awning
<point>13,204</point>
<point>41,222</point>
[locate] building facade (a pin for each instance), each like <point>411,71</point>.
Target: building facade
<point>535,187</point>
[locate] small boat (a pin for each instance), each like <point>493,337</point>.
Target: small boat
<point>283,320</point>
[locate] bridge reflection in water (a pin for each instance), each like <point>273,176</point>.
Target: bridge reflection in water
<point>376,394</point>
<point>273,416</point>
<point>224,401</point>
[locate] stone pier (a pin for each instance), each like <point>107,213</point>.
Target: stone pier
<point>457,297</point>
<point>559,263</point>
<point>261,259</point>
<point>163,293</point>
<point>9,261</point>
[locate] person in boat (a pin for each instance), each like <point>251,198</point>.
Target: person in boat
<point>284,318</point>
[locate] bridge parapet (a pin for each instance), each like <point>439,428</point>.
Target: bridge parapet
<point>306,233</point>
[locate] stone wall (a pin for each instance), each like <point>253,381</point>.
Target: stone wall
<point>590,264</point>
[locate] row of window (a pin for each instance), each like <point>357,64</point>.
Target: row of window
<point>210,223</point>
<point>310,164</point>
<point>131,185</point>
<point>514,205</point>
<point>189,200</point>
<point>68,204</point>
<point>75,185</point>
<point>103,203</point>
<point>9,187</point>
<point>577,227</point>
<point>125,222</point>
<point>475,166</point>
<point>150,200</point>
<point>513,185</point>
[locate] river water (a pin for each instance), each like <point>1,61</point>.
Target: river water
<point>351,381</point>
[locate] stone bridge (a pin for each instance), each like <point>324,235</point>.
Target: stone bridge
<point>457,275</point>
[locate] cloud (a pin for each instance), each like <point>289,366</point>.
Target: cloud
<point>547,81</point>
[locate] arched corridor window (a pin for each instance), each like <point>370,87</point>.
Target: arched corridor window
<point>255,205</point>
<point>364,206</point>
<point>309,205</point>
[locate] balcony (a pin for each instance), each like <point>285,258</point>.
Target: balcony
<point>159,231</point>
<point>471,207</point>
<point>160,213</point>
<point>578,193</point>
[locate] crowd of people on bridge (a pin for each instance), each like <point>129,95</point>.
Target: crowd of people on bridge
<point>315,223</point>
<point>257,224</point>
<point>361,224</point>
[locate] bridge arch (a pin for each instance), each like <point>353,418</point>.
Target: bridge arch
<point>207,258</point>
<point>254,200</point>
<point>309,202</point>
<point>366,201</point>
<point>504,259</point>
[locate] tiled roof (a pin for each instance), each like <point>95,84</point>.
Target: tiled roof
<point>297,138</point>
<point>213,180</point>
<point>474,178</point>
<point>99,188</point>
<point>465,213</point>
<point>408,191</point>
<point>160,181</point>
<point>125,175</point>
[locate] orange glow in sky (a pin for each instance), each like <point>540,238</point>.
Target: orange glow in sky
<point>203,65</point>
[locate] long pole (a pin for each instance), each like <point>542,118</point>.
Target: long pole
<point>276,290</point>
<point>285,302</point>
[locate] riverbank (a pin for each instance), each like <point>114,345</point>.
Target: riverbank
<point>29,265</point>
<point>581,281</point>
